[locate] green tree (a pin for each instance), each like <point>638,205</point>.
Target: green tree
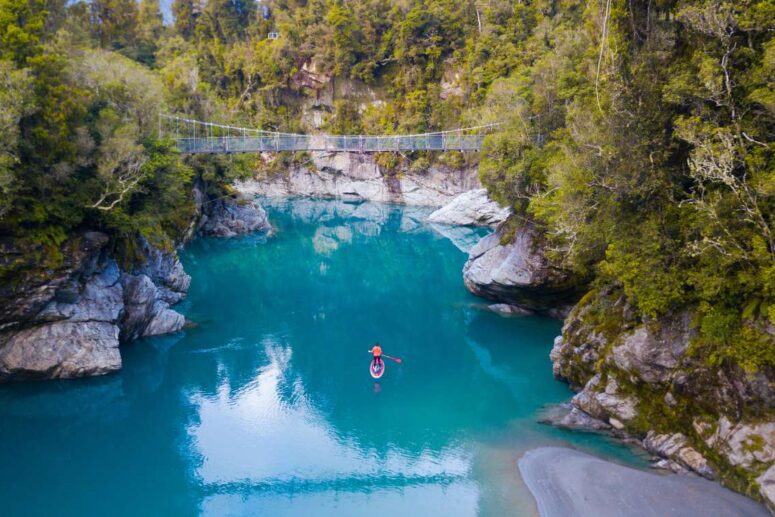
<point>185,18</point>
<point>150,27</point>
<point>115,23</point>
<point>21,27</point>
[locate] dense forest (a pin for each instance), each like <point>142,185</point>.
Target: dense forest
<point>637,133</point>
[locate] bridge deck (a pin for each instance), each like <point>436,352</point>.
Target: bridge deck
<point>359,144</point>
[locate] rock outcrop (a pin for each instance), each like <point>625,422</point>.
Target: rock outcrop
<point>359,177</point>
<point>226,217</point>
<point>675,447</point>
<point>638,376</point>
<point>69,320</point>
<point>72,324</point>
<point>472,208</point>
<point>518,273</point>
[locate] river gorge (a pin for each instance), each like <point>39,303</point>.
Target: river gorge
<point>266,406</point>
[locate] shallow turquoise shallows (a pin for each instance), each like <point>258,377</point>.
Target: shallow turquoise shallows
<point>267,407</point>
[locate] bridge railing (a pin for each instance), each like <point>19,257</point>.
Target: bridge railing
<point>194,136</point>
<point>345,143</point>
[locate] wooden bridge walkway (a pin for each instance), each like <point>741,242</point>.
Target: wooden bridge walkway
<point>194,136</point>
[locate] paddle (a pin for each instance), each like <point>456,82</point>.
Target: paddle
<point>396,359</point>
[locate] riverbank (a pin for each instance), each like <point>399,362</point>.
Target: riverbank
<point>568,482</point>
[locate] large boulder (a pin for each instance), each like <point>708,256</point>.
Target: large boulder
<point>472,208</point>
<point>75,335</point>
<point>146,313</point>
<point>232,217</point>
<point>518,273</point>
<point>61,349</point>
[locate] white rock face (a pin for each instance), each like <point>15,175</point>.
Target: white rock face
<point>472,208</point>
<point>676,448</point>
<point>358,177</point>
<point>61,349</point>
<point>744,444</point>
<point>654,357</point>
<point>767,485</point>
<point>229,218</point>
<point>518,273</point>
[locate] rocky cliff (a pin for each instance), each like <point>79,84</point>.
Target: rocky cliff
<point>69,321</point>
<point>639,376</point>
<point>510,267</point>
<point>359,177</point>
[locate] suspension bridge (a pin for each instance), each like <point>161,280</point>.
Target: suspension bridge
<point>195,136</point>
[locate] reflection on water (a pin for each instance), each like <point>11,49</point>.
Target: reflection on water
<point>267,406</point>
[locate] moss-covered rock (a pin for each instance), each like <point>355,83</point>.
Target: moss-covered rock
<point>643,376</point>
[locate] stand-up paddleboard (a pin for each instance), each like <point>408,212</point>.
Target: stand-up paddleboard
<point>376,369</point>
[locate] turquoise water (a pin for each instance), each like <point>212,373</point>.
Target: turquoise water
<point>266,407</point>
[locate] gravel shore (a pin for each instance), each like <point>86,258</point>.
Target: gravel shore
<point>566,482</point>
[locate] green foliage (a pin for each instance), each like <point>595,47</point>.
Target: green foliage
<point>21,28</point>
<point>185,19</point>
<point>116,23</point>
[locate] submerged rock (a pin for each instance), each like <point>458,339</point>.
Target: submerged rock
<point>568,416</point>
<point>463,237</point>
<point>518,273</point>
<point>472,208</point>
<point>504,309</point>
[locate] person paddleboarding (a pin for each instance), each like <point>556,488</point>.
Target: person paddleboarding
<point>377,366</point>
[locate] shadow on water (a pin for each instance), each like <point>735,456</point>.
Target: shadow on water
<point>266,406</point>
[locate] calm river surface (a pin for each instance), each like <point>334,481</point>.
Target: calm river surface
<point>267,406</point>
